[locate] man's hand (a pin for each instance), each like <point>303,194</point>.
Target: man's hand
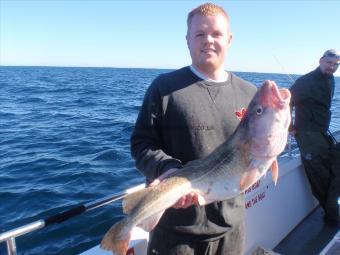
<point>183,202</point>
<point>162,177</point>
<point>186,201</point>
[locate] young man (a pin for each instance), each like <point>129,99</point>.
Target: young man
<point>312,96</point>
<point>185,115</point>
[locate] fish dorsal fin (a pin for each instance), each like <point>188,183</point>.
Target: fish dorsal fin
<point>131,200</point>
<point>149,223</point>
<point>249,177</point>
<point>275,171</point>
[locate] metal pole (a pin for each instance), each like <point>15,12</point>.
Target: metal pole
<point>290,146</point>
<point>10,235</point>
<point>98,203</point>
<point>11,247</point>
<point>21,230</point>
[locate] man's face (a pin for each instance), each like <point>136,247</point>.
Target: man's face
<point>208,40</point>
<point>329,65</point>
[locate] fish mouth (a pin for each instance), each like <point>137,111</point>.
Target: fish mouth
<point>269,137</point>
<point>283,96</point>
<point>274,97</point>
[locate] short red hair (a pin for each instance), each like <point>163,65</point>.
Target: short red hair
<point>207,9</point>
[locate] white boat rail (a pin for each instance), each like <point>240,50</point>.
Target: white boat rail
<point>9,236</point>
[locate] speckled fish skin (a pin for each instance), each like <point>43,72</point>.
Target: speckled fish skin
<point>226,172</point>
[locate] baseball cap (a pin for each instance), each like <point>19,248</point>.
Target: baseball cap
<point>332,53</point>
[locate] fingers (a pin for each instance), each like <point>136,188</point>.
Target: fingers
<point>154,182</point>
<point>186,201</point>
<point>162,177</point>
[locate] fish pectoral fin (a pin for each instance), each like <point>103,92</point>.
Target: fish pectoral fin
<point>248,178</point>
<point>149,223</point>
<point>131,200</point>
<point>275,171</point>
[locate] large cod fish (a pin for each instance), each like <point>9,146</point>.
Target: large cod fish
<point>229,170</point>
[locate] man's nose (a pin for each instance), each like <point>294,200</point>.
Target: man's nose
<point>334,68</point>
<point>209,39</point>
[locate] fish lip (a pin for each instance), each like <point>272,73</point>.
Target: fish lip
<point>281,97</point>
<point>284,96</point>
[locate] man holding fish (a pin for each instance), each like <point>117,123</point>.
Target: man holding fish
<point>185,144</point>
<point>185,115</point>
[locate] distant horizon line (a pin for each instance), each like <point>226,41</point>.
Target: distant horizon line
<point>157,68</point>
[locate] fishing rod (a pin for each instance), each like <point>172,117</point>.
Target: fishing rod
<point>332,137</point>
<point>9,236</point>
<point>290,78</point>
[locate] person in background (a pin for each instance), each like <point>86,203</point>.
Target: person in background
<point>312,96</point>
<point>185,115</point>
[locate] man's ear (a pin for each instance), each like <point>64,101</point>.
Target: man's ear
<point>187,39</point>
<point>230,39</point>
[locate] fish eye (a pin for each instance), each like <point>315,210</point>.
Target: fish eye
<point>259,110</point>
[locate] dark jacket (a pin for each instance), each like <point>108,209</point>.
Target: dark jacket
<point>311,96</point>
<point>185,118</point>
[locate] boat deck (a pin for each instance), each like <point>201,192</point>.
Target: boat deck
<point>309,237</point>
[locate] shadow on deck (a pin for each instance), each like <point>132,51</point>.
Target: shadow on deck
<point>309,237</point>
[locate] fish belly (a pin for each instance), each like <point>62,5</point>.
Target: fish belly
<point>217,189</point>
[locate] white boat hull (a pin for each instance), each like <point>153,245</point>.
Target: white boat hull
<point>272,211</point>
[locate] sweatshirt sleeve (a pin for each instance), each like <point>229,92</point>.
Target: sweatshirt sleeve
<point>147,146</point>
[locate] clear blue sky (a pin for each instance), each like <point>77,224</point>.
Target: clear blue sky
<point>151,34</point>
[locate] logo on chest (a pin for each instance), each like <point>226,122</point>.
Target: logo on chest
<point>240,114</point>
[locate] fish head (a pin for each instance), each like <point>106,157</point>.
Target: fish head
<point>268,118</point>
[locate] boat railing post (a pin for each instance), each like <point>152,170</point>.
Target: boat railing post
<point>290,146</point>
<point>11,247</point>
<point>9,236</point>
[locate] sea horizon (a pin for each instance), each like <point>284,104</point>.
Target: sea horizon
<point>156,68</point>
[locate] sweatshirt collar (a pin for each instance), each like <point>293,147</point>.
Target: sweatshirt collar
<point>206,78</point>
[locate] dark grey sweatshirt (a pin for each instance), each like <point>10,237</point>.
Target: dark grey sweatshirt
<point>184,118</point>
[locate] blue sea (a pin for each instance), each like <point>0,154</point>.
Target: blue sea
<point>64,141</point>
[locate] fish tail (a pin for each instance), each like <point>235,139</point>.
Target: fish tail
<point>117,238</point>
